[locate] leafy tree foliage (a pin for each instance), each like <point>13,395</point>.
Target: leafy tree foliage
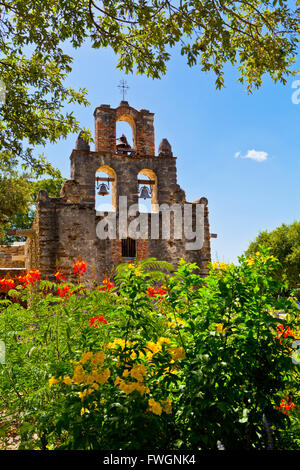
<point>260,36</point>
<point>51,185</point>
<point>284,242</point>
<point>17,202</point>
<point>14,197</point>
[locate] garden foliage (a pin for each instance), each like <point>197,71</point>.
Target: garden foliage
<point>152,361</point>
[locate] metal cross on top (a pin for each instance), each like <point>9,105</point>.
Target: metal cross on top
<point>123,87</point>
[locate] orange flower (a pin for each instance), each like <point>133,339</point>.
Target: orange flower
<point>94,321</point>
<point>155,291</point>
<point>30,277</point>
<point>283,332</point>
<point>59,276</point>
<point>80,267</point>
<point>285,405</point>
<point>7,284</point>
<point>107,284</point>
<point>64,291</point>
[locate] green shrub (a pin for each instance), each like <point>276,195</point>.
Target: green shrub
<point>158,361</point>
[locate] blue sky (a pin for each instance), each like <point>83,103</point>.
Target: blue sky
<point>207,129</point>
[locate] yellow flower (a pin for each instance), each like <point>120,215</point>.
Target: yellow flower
<point>138,272</point>
<point>52,381</point>
<point>138,372</point>
<point>98,358</point>
<point>154,348</point>
<point>250,261</point>
<point>167,405</point>
<point>118,381</point>
<point>141,388</point>
<point>82,394</point>
<point>67,380</point>
<point>85,393</point>
<point>223,266</point>
<point>89,379</point>
<point>130,266</point>
<point>86,356</point>
<point>79,375</point>
<point>175,323</point>
<point>103,376</point>
<point>133,355</point>
<point>117,342</point>
<point>177,353</point>
<point>220,328</point>
<point>83,411</point>
<point>155,407</point>
<point>163,340</point>
<point>127,387</point>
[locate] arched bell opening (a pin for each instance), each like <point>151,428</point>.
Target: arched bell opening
<point>124,142</point>
<point>147,191</point>
<point>105,189</point>
<point>126,135</point>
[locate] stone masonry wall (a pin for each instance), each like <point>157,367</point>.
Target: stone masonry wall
<point>141,123</point>
<point>12,256</point>
<point>12,259</point>
<point>65,227</point>
<point>66,234</point>
<point>84,166</point>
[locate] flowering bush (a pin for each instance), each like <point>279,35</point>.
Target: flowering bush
<point>79,267</point>
<point>153,361</point>
<point>64,291</point>
<point>106,284</point>
<point>60,276</point>
<point>31,277</point>
<point>155,291</point>
<point>6,284</point>
<point>285,405</point>
<point>94,321</point>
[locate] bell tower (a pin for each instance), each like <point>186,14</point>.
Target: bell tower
<point>133,164</point>
<point>68,227</point>
<point>141,123</point>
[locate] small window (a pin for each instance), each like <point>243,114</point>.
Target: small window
<point>128,248</point>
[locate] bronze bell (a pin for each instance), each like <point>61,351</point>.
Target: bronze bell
<point>103,191</point>
<point>123,146</point>
<point>145,192</point>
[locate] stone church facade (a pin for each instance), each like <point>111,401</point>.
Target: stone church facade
<point>66,228</point>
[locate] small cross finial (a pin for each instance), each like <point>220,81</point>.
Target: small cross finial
<point>123,87</point>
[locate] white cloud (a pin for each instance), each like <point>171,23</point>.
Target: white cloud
<point>257,155</point>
